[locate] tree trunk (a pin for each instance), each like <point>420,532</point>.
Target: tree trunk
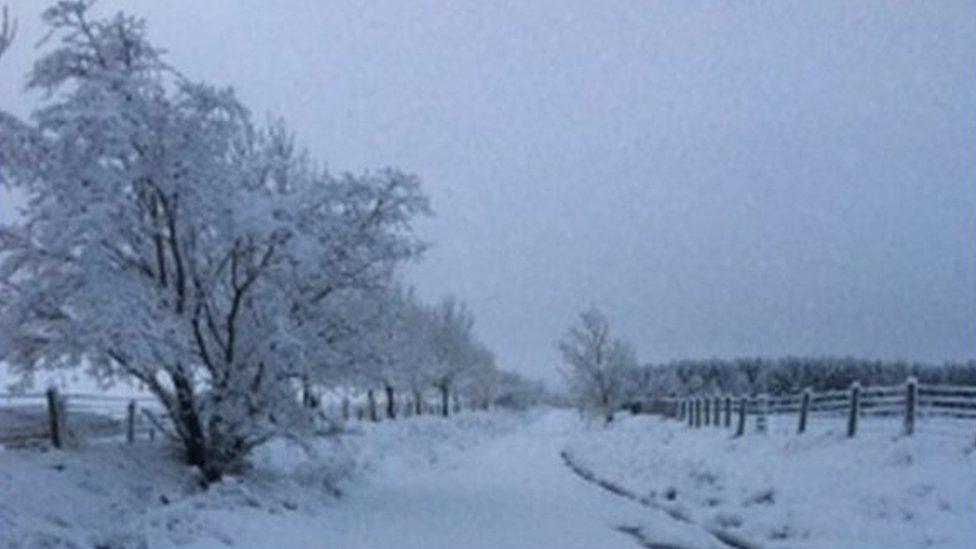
<point>607,408</point>
<point>54,416</point>
<point>309,399</point>
<point>445,399</point>
<point>371,397</point>
<point>345,408</point>
<point>418,403</point>
<point>390,403</point>
<point>192,432</point>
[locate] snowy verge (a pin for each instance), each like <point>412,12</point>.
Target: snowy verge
<point>816,490</point>
<point>85,496</point>
<point>118,496</point>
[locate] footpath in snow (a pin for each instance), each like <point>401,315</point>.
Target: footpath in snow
<point>476,481</point>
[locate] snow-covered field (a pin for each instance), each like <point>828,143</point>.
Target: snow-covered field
<point>493,481</point>
<point>820,489</point>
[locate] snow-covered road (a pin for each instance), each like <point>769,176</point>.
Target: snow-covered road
<point>512,491</point>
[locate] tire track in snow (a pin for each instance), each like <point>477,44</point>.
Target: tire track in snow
<point>726,538</point>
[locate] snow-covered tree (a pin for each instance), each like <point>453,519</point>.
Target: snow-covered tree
<point>415,354</point>
<point>516,392</point>
<point>597,364</point>
<point>452,349</point>
<point>479,385</point>
<point>382,344</point>
<point>169,239</point>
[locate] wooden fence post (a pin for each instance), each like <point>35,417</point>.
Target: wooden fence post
<point>130,422</point>
<point>698,411</point>
<point>690,416</point>
<point>717,420</point>
<point>911,403</point>
<point>855,409</point>
<point>804,410</point>
<point>728,412</point>
<point>708,411</point>
<point>741,428</point>
<point>54,410</point>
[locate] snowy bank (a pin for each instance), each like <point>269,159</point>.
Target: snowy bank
<point>779,490</point>
<point>118,496</point>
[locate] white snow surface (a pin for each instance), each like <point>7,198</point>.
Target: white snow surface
<point>478,480</point>
<point>820,489</point>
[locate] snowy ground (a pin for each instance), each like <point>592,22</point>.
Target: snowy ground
<point>477,481</point>
<point>782,490</point>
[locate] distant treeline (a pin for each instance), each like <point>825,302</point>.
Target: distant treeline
<point>787,375</point>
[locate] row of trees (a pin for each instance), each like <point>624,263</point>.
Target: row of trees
<point>404,348</point>
<point>171,240</point>
<point>602,373</point>
<point>787,375</point>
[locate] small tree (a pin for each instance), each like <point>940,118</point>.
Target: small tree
<point>596,363</point>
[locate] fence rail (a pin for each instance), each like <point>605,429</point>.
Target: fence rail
<point>909,401</point>
<point>31,418</point>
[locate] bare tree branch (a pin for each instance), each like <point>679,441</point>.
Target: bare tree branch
<point>8,31</point>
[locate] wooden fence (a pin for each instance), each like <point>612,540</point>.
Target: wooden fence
<point>32,418</point>
<point>36,418</point>
<point>908,403</point>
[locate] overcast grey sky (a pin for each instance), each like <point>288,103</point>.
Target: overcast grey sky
<point>723,178</point>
